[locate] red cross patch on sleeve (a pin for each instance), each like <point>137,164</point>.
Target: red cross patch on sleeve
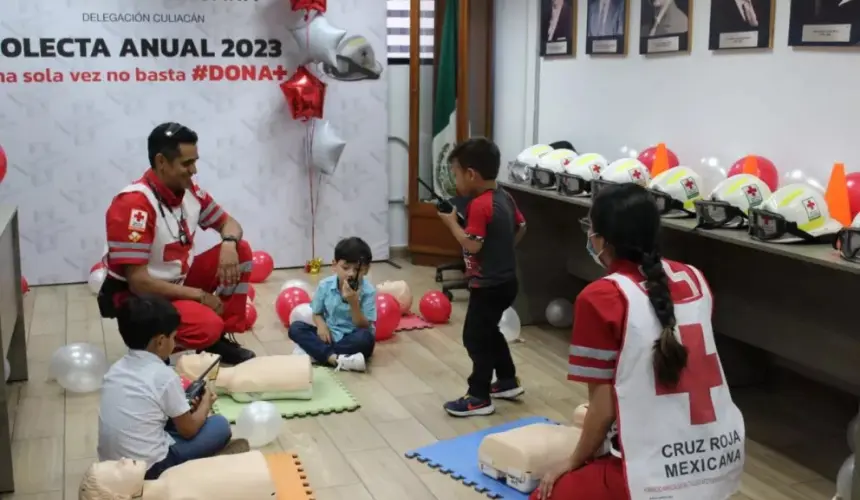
<point>137,220</point>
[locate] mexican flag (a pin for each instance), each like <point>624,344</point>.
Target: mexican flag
<point>445,103</point>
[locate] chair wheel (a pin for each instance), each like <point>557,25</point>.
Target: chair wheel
<point>448,294</point>
<point>438,276</point>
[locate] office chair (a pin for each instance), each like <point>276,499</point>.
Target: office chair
<point>460,203</point>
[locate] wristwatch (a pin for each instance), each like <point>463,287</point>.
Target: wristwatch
<point>230,238</point>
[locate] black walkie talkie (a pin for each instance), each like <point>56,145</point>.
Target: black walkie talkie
<point>442,205</point>
<point>195,390</point>
<point>353,282</point>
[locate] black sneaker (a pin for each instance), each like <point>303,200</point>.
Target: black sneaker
<point>506,389</point>
<point>230,351</point>
<point>467,406</point>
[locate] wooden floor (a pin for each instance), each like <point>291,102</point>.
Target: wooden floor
<point>359,455</point>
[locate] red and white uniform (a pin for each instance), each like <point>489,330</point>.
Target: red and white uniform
<point>681,443</point>
<point>138,233</point>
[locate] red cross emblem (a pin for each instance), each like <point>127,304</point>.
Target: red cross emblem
<point>637,174</point>
<point>565,162</point>
<point>810,204</point>
<point>698,378</point>
<point>596,169</point>
<point>689,184</point>
<point>139,217</point>
<point>752,190</point>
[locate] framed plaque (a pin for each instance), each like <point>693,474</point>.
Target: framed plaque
<point>665,26</point>
<point>557,27</point>
<point>741,24</point>
<point>824,23</point>
<point>606,27</point>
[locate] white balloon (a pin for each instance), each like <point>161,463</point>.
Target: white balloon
<point>326,147</point>
<point>299,283</point>
<point>559,313</point>
<point>510,324</point>
<point>96,279</point>
<point>79,367</point>
<point>6,368</point>
<point>319,41</point>
<point>844,479</point>
<point>260,423</point>
<point>303,313</point>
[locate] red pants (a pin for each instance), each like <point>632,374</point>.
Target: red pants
<point>200,326</point>
<point>602,479</point>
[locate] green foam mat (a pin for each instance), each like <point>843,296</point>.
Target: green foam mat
<point>330,396</point>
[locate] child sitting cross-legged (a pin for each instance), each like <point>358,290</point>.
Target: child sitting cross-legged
<point>144,414</point>
<point>342,335</point>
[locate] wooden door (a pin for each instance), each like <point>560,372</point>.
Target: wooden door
<point>430,242</point>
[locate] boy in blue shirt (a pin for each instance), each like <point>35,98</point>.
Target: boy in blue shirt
<point>344,308</point>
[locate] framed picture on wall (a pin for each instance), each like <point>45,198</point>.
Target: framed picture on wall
<point>606,27</point>
<point>824,23</point>
<point>557,27</point>
<point>741,24</point>
<point>665,26</point>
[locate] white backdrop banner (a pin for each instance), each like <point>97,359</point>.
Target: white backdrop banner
<point>83,82</point>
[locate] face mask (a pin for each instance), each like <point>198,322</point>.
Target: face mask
<point>589,247</point>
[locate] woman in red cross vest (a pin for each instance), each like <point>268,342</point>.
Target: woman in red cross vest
<point>660,422</point>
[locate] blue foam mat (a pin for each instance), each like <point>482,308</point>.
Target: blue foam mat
<point>458,458</point>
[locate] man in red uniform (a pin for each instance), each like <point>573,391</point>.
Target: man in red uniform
<point>151,225</point>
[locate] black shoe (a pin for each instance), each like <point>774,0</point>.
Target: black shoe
<point>467,406</point>
<point>506,389</point>
<point>230,351</point>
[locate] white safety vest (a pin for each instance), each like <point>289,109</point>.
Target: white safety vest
<point>167,232</point>
<point>687,442</point>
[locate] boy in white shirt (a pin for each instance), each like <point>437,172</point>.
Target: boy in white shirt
<point>144,413</point>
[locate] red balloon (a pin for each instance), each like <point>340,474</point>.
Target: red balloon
<point>250,314</point>
<point>25,287</point>
<point>305,94</point>
<point>3,164</point>
<point>853,181</point>
<point>766,171</point>
<point>435,307</point>
<point>647,157</point>
<point>252,293</point>
<point>288,300</point>
<point>387,316</point>
<point>262,267</point>
<point>317,5</point>
<point>96,267</point>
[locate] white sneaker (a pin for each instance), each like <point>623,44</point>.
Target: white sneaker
<point>298,351</point>
<point>352,363</point>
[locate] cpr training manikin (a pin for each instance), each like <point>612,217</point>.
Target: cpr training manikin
<point>227,477</point>
<point>522,456</point>
<point>258,379</point>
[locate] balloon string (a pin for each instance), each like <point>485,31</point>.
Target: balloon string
<point>308,154</point>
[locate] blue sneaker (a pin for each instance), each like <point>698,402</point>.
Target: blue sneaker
<point>469,406</point>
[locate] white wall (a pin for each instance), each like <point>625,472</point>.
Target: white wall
<point>398,133</point>
<point>794,106</point>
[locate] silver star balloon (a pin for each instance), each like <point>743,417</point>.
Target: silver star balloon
<point>326,147</point>
<point>318,41</point>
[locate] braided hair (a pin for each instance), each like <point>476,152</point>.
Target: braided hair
<point>626,216</point>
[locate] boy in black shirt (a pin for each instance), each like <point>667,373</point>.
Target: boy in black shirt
<point>494,225</point>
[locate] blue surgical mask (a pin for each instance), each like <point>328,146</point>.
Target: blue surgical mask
<point>589,247</point>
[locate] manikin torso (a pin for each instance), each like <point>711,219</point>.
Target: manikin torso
<point>264,377</point>
<point>227,477</point>
<point>523,455</point>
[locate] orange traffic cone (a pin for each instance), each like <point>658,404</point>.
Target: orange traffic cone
<point>661,160</point>
<point>751,165</point>
<point>837,195</point>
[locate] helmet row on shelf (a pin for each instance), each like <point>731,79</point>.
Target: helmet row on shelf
<point>747,198</point>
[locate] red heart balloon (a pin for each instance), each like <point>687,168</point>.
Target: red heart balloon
<point>305,95</point>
